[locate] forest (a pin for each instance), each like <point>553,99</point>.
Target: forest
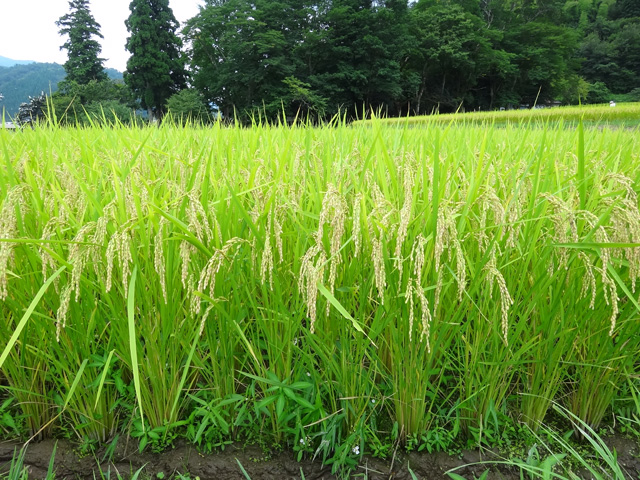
<point>413,58</point>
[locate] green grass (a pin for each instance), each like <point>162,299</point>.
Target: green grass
<point>332,290</point>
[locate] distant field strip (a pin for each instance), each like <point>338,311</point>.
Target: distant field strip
<point>623,114</point>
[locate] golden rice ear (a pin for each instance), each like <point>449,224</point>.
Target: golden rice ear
<point>417,257</point>
<point>625,226</point>
<point>197,218</point>
<point>425,318</point>
<point>204,319</point>
<point>63,309</point>
<point>207,278</point>
<point>333,212</point>
<point>377,257</point>
<point>118,248</point>
<point>110,255</point>
<point>195,302</point>
<point>124,255</point>
<point>311,273</point>
<point>79,254</point>
<point>158,257</point>
<point>277,233</point>
<point>8,229</point>
<point>417,260</point>
<point>442,237</point>
<point>408,299</point>
<point>516,208</point>
<point>505,298</point>
<point>448,239</point>
<point>357,227</point>
<point>589,280</point>
<point>609,287</point>
<point>266,266</point>
<point>564,227</point>
<point>409,174</point>
<point>187,250</point>
<point>611,297</point>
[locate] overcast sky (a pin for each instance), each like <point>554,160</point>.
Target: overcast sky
<point>28,30</point>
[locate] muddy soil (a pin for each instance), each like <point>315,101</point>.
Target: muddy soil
<point>185,460</point>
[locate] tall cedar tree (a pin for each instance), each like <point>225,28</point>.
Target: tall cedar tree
<point>155,70</point>
<point>83,64</point>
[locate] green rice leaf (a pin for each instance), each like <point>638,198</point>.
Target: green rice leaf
<point>133,348</point>
<point>25,318</point>
<point>74,385</point>
<point>338,306</point>
<point>103,377</point>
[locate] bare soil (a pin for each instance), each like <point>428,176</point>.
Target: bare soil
<point>186,460</point>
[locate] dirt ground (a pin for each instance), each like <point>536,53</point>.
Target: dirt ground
<point>186,460</point>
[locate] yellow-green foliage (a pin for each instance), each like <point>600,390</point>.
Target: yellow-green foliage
<point>330,277</point>
<point>621,114</point>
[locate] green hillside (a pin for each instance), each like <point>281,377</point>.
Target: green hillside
<point>19,82</point>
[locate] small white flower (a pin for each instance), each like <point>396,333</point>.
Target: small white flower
<point>302,441</point>
<point>373,400</point>
<point>356,450</point>
<point>308,374</point>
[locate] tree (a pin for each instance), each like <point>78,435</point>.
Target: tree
<point>33,111</point>
<point>155,70</point>
<point>83,64</point>
<point>309,104</point>
<point>187,106</point>
<point>358,56</point>
<point>243,51</point>
<point>75,104</point>
<point>629,8</point>
<point>545,59</point>
<point>610,50</point>
<point>450,54</point>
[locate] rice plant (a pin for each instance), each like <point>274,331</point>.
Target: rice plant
<point>315,284</point>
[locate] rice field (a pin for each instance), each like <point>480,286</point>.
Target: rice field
<point>330,290</point>
<point>622,115</point>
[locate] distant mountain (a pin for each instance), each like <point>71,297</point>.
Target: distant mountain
<point>10,62</point>
<point>19,82</point>
<point>113,74</point>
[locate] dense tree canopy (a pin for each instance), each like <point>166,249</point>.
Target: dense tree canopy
<point>83,64</point>
<point>321,57</point>
<point>155,70</point>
